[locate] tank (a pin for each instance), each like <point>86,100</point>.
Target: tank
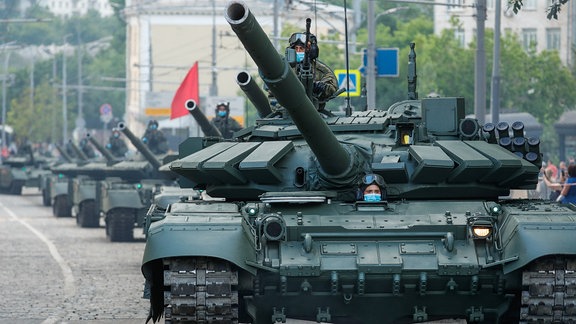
<point>83,185</point>
<point>282,234</point>
<point>126,194</point>
<point>21,170</point>
<point>62,175</point>
<point>48,177</point>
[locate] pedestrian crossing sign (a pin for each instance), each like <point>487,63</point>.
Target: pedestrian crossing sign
<point>353,81</point>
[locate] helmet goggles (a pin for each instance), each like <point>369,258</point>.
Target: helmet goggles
<point>373,178</point>
<point>297,38</point>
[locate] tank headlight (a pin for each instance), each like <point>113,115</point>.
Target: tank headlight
<point>481,228</point>
<point>273,228</point>
<point>482,231</point>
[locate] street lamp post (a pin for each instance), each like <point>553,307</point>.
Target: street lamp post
<point>64,99</point>
<point>4,78</point>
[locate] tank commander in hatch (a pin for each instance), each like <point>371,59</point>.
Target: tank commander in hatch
<point>116,145</point>
<point>225,124</point>
<point>372,188</point>
<point>155,139</point>
<point>325,82</point>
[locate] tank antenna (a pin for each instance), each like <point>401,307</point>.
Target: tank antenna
<point>412,77</point>
<point>348,107</point>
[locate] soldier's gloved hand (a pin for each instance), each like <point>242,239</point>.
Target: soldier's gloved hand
<point>319,88</point>
<point>144,140</point>
<point>108,146</point>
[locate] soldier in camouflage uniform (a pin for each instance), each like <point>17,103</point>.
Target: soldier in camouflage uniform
<point>225,124</point>
<point>325,82</point>
<point>116,145</point>
<point>87,149</point>
<point>155,139</point>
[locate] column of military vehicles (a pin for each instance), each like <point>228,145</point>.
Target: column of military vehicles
<point>268,225</point>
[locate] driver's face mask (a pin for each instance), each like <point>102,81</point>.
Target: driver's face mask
<point>300,56</point>
<point>372,197</point>
<point>222,113</point>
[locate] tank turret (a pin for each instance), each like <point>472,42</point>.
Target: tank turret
<point>207,128</point>
<point>334,159</point>
<point>254,93</point>
<point>148,155</point>
<point>110,159</point>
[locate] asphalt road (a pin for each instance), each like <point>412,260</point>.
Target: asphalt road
<point>52,271</point>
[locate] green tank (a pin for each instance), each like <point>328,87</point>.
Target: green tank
<point>83,186</point>
<point>281,233</point>
<point>21,170</point>
<point>59,184</point>
<point>126,194</point>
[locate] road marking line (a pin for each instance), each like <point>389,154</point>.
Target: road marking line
<point>69,289</point>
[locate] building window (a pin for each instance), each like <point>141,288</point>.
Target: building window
<point>457,5</point>
<point>529,5</point>
<point>459,36</point>
<point>490,4</point>
<point>553,39</point>
<point>529,38</point>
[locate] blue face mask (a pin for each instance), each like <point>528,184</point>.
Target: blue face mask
<point>372,197</point>
<point>222,113</point>
<point>300,56</point>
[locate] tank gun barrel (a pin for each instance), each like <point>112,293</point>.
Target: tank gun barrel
<point>78,151</point>
<point>207,128</point>
<point>333,158</point>
<point>63,153</point>
<point>140,146</point>
<point>109,157</point>
<point>254,93</point>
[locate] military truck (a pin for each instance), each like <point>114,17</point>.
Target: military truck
<point>292,237</point>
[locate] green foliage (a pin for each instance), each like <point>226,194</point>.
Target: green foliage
<point>36,122</point>
<point>108,62</point>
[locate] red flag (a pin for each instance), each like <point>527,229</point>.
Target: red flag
<point>187,90</point>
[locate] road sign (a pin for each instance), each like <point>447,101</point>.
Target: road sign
<point>105,109</point>
<point>353,80</point>
<point>386,62</point>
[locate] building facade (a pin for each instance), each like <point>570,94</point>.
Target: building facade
<point>165,39</point>
<point>530,24</point>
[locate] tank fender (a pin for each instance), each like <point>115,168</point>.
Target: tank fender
<point>124,198</point>
<point>529,242</point>
<point>165,241</point>
<point>18,174</point>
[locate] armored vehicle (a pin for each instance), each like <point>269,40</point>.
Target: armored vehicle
<point>58,184</point>
<point>82,188</point>
<point>290,238</point>
<point>21,170</point>
<point>126,194</point>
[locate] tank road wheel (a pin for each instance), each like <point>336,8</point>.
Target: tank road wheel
<point>15,188</point>
<point>46,198</point>
<point>60,208</point>
<point>548,290</point>
<point>120,225</point>
<point>200,290</point>
<point>88,216</point>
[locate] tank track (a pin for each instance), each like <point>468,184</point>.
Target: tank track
<point>200,290</point>
<point>549,291</point>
